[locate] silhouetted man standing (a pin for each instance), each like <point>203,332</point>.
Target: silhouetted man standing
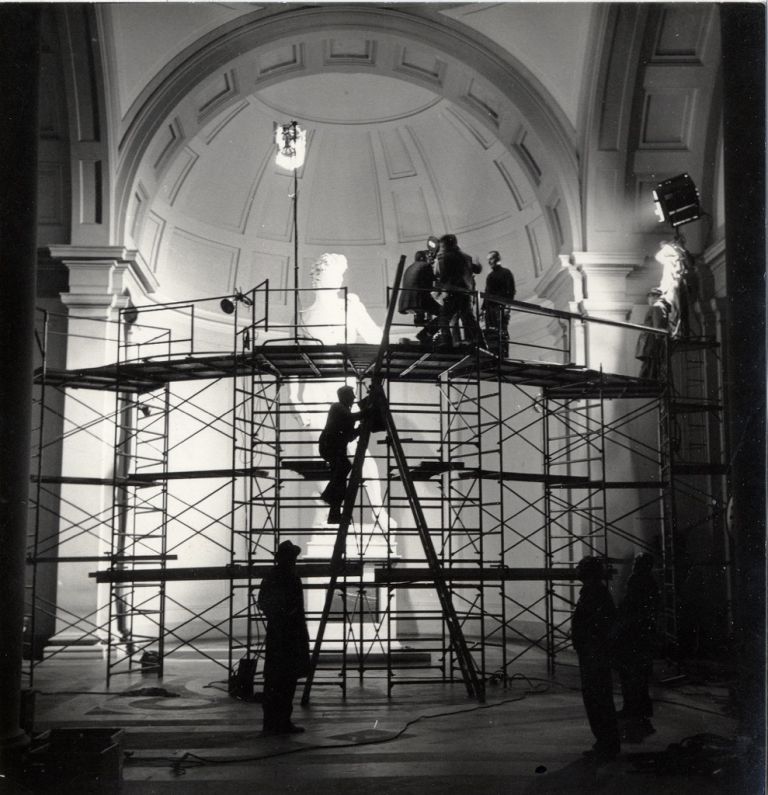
<point>635,642</point>
<point>416,299</point>
<point>281,600</point>
<point>593,626</point>
<point>338,432</point>
<point>454,270</point>
<point>500,283</point>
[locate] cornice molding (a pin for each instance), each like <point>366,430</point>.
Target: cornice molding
<point>608,259</point>
<point>108,256</point>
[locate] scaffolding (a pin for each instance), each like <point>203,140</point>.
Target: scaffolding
<point>494,473</point>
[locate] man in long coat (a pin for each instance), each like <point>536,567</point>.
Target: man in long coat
<point>416,298</point>
<point>455,279</point>
<point>281,600</point>
<point>593,628</point>
<point>499,283</point>
<point>635,646</point>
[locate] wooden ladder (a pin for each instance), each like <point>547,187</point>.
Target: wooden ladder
<point>379,409</point>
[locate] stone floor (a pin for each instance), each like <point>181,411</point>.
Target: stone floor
<point>527,737</point>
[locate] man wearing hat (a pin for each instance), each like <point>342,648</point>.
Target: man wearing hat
<point>593,627</point>
<point>286,660</point>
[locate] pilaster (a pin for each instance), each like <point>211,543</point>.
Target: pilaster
<point>102,280</point>
<point>601,290</point>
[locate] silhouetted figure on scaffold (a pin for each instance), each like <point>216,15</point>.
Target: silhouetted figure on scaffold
<point>499,283</point>
<point>281,600</point>
<point>416,299</point>
<point>338,432</point>
<point>332,320</point>
<point>455,283</point>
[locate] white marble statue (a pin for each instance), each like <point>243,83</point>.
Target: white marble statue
<point>324,321</point>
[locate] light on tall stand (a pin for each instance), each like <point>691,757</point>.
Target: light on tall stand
<point>291,143</point>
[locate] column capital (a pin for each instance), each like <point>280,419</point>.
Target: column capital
<point>129,260</point>
<point>607,259</point>
<point>604,280</point>
<point>102,278</point>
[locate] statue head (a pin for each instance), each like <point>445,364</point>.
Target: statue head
<point>328,270</point>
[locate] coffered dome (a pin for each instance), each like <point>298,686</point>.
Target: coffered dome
<point>404,141</point>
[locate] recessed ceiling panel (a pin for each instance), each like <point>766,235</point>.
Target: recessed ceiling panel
<point>200,266</point>
<point>468,186</point>
<point>346,206</point>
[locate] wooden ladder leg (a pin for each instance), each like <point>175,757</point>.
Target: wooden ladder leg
<point>475,687</point>
<point>339,549</point>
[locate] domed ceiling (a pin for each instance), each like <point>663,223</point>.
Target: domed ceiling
<point>389,162</point>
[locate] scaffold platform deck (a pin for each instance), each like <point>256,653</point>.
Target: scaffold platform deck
<point>401,362</point>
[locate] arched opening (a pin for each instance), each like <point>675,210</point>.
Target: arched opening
<point>413,131</point>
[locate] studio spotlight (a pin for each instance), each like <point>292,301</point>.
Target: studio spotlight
<point>228,304</point>
<point>677,201</point>
<point>291,143</point>
<point>433,243</point>
<point>130,315</point>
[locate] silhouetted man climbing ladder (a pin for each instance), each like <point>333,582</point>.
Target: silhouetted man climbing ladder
<point>378,413</point>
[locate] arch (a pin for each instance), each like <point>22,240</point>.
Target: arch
<point>488,83</point>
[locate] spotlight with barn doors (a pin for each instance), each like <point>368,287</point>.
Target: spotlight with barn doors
<point>676,201</point>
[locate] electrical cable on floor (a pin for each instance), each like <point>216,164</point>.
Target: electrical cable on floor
<point>190,760</point>
<point>690,706</point>
<point>215,686</point>
<point>154,692</point>
<point>719,713</point>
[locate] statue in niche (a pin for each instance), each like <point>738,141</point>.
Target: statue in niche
<point>669,306</point>
<point>323,321</point>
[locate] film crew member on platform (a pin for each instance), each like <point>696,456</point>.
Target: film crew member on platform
<point>455,284</point>
<point>286,659</point>
<point>416,299</point>
<point>500,283</point>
